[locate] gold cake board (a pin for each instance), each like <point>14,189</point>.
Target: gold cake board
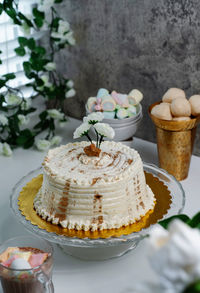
<point>160,190</point>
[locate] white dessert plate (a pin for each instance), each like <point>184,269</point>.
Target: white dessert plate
<point>100,249</point>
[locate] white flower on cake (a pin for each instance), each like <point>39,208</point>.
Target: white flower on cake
<point>55,114</point>
<point>105,130</point>
<point>56,140</point>
<point>176,255</point>
<point>82,130</point>
<point>71,93</point>
<point>3,120</point>
<point>23,120</point>
<point>94,118</point>
<point>42,144</point>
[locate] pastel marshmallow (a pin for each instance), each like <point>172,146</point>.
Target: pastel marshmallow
<point>102,92</point>
<point>37,259</point>
<point>135,97</point>
<point>132,109</point>
<point>108,105</point>
<point>6,254</point>
<point>180,107</point>
<point>195,104</point>
<point>162,111</point>
<point>91,102</point>
<point>20,264</point>
<point>122,113</point>
<point>120,99</point>
<point>173,93</point>
<point>109,115</point>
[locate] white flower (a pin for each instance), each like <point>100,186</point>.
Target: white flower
<point>70,84</point>
<point>50,66</point>
<point>55,114</point>
<point>23,120</point>
<point>42,144</point>
<point>56,140</point>
<point>70,38</point>
<point>6,150</point>
<point>3,120</point>
<point>63,26</point>
<point>45,5</point>
<point>105,130</point>
<point>71,93</point>
<point>12,100</point>
<point>25,105</point>
<point>45,79</point>
<point>93,118</point>
<point>81,130</point>
<point>176,255</point>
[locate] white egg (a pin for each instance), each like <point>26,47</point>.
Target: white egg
<point>20,264</point>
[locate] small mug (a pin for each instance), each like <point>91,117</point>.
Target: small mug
<point>37,279</point>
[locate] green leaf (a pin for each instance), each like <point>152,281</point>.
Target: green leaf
<point>43,115</point>
<point>165,223</point>
<point>27,68</point>
<point>20,51</point>
<point>195,221</point>
<point>40,51</point>
<point>9,76</point>
<point>193,288</point>
<point>55,22</point>
<point>29,143</point>
<point>58,1</point>
<point>1,8</point>
<point>22,41</point>
<point>38,13</point>
<point>2,83</point>
<point>23,17</point>
<point>39,22</point>
<point>31,44</point>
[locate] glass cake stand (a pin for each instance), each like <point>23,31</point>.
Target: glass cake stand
<point>100,249</point>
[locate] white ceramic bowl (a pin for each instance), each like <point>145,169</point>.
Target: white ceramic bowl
<point>125,128</point>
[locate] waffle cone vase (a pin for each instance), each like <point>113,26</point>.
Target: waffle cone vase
<point>175,140</point>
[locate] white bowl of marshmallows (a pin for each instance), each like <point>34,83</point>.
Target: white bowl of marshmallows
<point>123,112</point>
<point>176,107</point>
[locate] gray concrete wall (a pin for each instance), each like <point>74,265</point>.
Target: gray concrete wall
<point>151,45</point>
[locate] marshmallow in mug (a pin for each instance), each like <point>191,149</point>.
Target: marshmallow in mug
<point>172,94</point>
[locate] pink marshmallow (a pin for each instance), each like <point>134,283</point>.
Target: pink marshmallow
<point>9,261</point>
<point>36,260</point>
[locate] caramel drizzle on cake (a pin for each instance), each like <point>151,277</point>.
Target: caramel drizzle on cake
<point>62,206</point>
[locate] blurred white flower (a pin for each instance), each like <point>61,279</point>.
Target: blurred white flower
<point>94,117</point>
<point>63,26</point>
<point>45,5</point>
<point>56,140</point>
<point>55,114</point>
<point>176,255</point>
<point>105,130</point>
<point>23,120</point>
<point>25,28</point>
<point>3,120</point>
<point>70,84</point>
<point>42,144</point>
<point>12,100</point>
<point>62,124</point>
<point>7,150</point>
<point>50,66</point>
<point>45,79</point>
<point>81,130</point>
<point>70,38</point>
<point>71,93</point>
<point>25,105</point>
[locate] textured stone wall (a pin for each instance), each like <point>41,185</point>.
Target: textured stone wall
<point>151,45</point>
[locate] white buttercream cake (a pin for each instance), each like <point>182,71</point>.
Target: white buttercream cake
<point>93,193</point>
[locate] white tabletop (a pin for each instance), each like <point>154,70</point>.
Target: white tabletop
<point>73,275</point>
